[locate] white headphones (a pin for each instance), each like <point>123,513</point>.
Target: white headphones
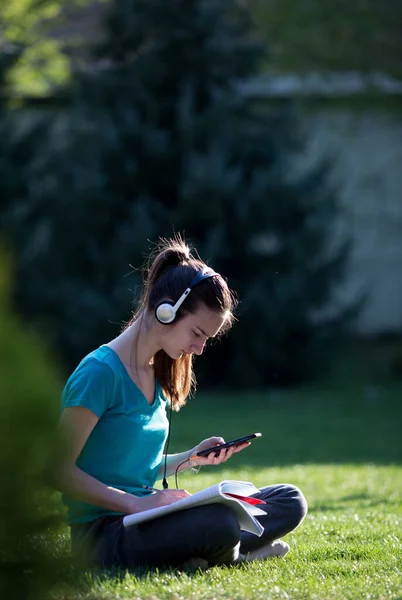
<point>166,311</point>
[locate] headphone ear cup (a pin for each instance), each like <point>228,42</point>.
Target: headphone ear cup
<point>165,313</point>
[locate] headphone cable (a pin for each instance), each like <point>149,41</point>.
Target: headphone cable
<point>164,482</point>
<point>194,469</point>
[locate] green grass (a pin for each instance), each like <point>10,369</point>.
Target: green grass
<point>342,446</point>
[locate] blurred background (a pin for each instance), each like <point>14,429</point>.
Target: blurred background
<point>268,132</point>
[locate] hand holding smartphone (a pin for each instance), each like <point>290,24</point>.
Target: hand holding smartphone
<point>217,449</point>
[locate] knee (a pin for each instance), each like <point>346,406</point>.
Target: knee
<point>297,504</point>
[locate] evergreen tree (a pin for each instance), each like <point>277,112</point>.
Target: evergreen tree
<point>158,138</point>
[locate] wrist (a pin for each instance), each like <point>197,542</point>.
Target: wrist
<point>135,503</point>
<point>193,464</point>
<point>138,503</point>
<point>191,457</point>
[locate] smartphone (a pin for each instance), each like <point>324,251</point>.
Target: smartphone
<point>237,442</point>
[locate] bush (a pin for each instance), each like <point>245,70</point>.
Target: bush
<point>30,391</point>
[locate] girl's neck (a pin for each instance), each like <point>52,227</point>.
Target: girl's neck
<point>136,345</point>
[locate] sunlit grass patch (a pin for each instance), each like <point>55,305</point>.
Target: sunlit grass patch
<point>342,450</point>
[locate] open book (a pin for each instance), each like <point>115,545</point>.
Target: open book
<point>235,494</point>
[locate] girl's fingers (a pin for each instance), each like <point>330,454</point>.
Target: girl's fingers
<point>223,456</point>
<point>229,452</point>
<point>241,447</point>
<point>216,459</point>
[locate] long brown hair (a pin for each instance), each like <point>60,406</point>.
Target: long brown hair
<point>169,270</point>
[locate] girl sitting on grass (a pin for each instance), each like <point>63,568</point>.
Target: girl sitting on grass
<point>114,418</point>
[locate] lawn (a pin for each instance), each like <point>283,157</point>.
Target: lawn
<point>341,444</point>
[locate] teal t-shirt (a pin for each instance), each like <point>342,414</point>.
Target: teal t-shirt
<point>125,448</point>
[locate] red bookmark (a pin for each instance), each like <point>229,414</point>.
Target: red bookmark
<point>247,499</point>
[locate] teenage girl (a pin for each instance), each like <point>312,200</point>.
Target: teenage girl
<point>114,418</point>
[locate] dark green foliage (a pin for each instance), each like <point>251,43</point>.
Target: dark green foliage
<point>9,55</point>
<point>269,235</point>
<point>332,36</point>
<point>156,139</point>
<point>29,392</point>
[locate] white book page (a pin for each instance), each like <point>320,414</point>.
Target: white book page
<point>243,510</point>
<point>202,495</point>
<point>242,488</point>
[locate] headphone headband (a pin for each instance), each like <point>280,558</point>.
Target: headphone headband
<point>204,273</point>
<point>166,311</point>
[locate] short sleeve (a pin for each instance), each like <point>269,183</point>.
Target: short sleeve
<point>89,386</point>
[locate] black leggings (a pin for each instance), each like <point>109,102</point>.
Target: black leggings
<point>210,532</point>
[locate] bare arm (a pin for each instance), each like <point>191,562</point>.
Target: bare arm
<point>182,461</point>
<point>173,462</point>
<point>76,424</point>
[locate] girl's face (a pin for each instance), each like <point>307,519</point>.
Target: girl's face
<point>189,335</point>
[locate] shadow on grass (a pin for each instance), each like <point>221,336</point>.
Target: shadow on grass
<point>83,578</point>
<point>63,578</point>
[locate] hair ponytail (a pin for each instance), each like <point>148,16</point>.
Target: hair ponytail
<point>168,253</point>
<point>168,272</point>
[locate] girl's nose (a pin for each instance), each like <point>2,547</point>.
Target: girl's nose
<point>198,348</point>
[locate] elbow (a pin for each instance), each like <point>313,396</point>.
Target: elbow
<point>57,476</point>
